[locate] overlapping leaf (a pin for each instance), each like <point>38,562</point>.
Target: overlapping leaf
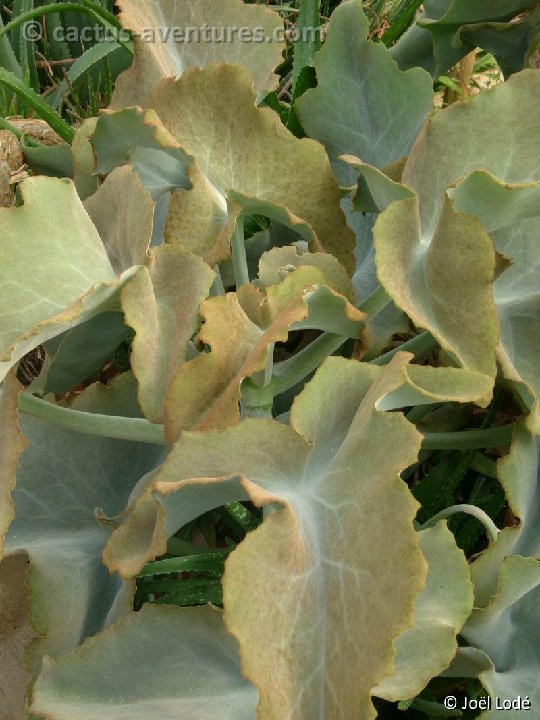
<point>436,262</point>
<point>243,152</point>
<point>205,392</point>
<point>63,476</point>
<point>195,671</point>
<point>519,474</point>
<point>363,104</point>
<point>172,36</point>
<point>161,303</point>
<point>48,270</point>
<point>335,469</point>
<point>440,611</point>
<point>507,631</point>
<point>449,29</point>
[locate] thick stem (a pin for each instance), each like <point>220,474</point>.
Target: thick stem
<point>238,250</point>
<point>469,439</point>
<point>291,371</point>
<point>121,428</point>
<point>419,345</point>
<point>491,529</point>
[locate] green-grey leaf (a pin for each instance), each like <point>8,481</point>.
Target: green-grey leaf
<point>62,478</point>
<point>164,57</point>
<point>46,266</point>
<point>162,662</point>
<point>363,104</point>
<point>508,632</point>
<point>83,350</point>
<point>439,613</point>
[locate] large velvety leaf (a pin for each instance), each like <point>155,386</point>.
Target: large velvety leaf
<point>440,610</point>
<point>46,266</point>
<point>143,535</point>
<point>170,56</point>
<point>162,662</point>
<point>363,104</point>
<point>161,303</point>
<point>508,632</point>
<point>63,476</point>
<point>244,150</point>
<point>335,472</point>
<point>437,263</point>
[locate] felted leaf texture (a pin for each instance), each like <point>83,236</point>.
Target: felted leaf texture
<point>243,152</point>
<point>436,262</point>
<point>363,104</point>
<point>195,671</point>
<point>440,610</point>
<point>336,467</point>
<point>143,535</point>
<point>170,38</point>
<point>47,269</point>
<point>63,476</point>
<point>507,631</point>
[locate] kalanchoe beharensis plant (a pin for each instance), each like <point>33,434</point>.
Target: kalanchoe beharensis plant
<point>254,476</point>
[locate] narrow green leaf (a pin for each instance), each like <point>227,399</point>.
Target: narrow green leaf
<point>42,109</point>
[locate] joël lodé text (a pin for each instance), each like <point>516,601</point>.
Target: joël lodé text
<point>496,703</point>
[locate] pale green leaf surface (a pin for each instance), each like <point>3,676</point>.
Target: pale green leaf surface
<point>445,284</point>
<point>327,658</point>
<point>508,632</point>
<point>62,477</point>
<point>162,662</point>
<point>157,60</point>
<point>241,148</point>
<point>363,104</point>
<point>435,262</point>
<point>161,303</point>
<point>46,267</point>
<point>508,151</point>
<point>122,211</point>
<point>440,610</point>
